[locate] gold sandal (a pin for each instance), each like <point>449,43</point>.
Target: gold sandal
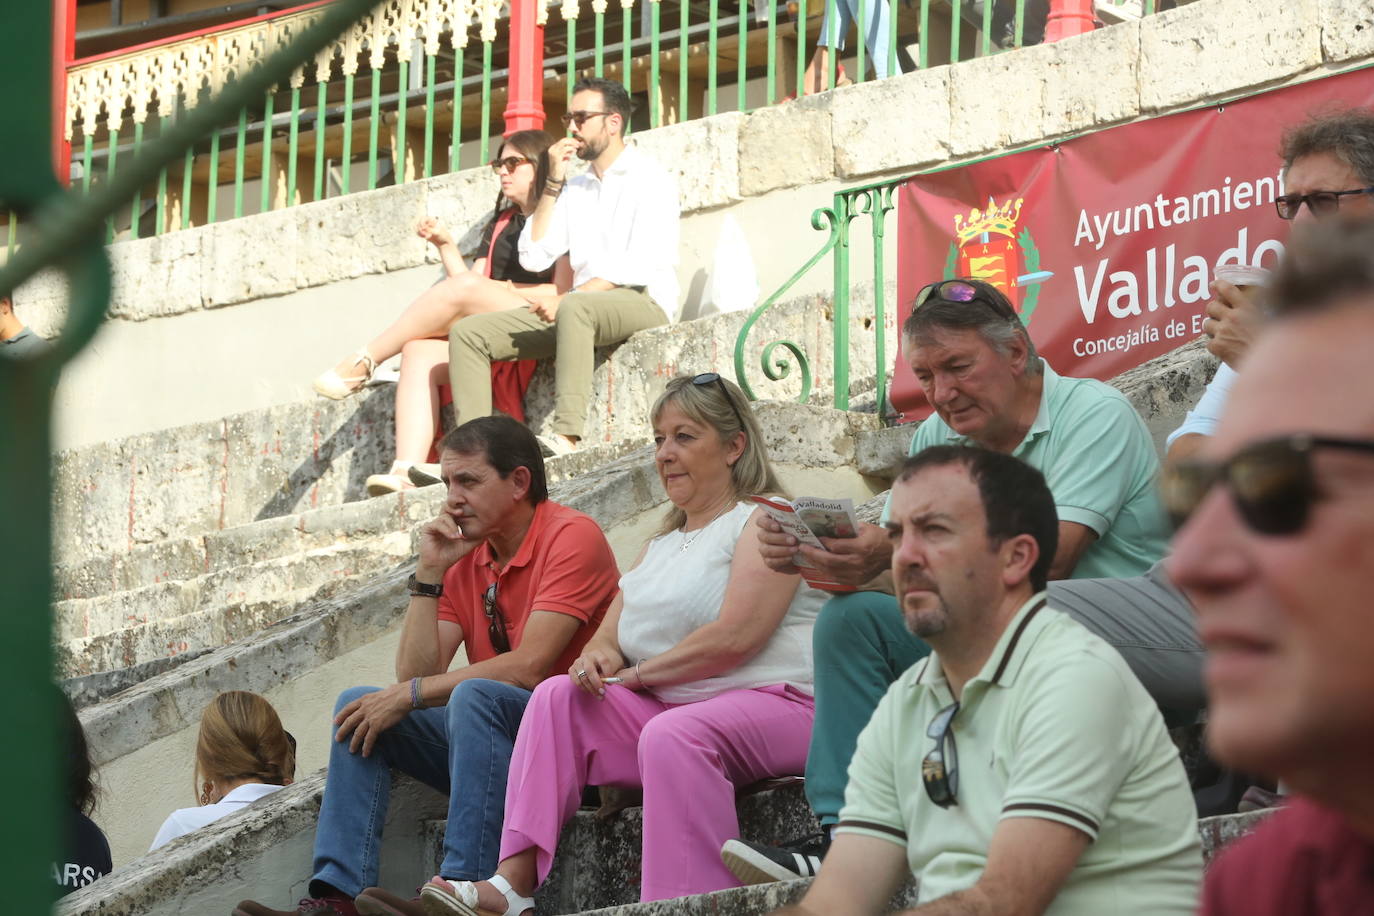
<point>334,386</point>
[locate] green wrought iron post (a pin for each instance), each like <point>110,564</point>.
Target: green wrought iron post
<point>881,203</point>
<point>65,233</point>
<point>843,216</point>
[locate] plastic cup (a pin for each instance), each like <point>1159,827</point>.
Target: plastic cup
<point>1244,276</point>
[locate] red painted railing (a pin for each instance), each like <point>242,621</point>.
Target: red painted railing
<point>1068,18</point>
<point>525,104</point>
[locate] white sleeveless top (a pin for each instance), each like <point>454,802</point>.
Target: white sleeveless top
<point>678,587</point>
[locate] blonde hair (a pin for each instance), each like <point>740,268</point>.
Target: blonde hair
<point>752,474</point>
<point>241,738</point>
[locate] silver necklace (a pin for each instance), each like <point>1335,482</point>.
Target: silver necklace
<point>688,542</point>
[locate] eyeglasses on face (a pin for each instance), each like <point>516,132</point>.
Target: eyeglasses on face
<point>496,621</point>
<point>711,378</point>
<point>960,291</point>
<point>940,768</point>
<point>508,164</point>
<point>582,117</point>
<point>1319,203</point>
<point>1272,482</point>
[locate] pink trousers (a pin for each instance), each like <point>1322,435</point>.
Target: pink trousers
<point>688,757</point>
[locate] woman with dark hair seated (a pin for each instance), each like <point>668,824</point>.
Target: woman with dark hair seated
<point>697,682</point>
<point>495,282</point>
<point>86,851</point>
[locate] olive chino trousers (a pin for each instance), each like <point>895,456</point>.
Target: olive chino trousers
<point>584,321</point>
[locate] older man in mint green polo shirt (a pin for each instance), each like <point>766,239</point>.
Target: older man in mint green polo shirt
<point>1021,767</point>
<point>979,369</point>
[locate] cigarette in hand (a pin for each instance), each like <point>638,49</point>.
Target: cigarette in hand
<point>612,680</point>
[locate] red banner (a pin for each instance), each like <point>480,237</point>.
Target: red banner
<point>1106,243</point>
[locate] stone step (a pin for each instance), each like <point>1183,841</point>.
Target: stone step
<point>213,623</point>
<point>128,510</point>
<point>264,852</point>
<point>739,901</point>
<point>182,557</point>
<point>204,599</point>
<point>601,874</point>
<point>279,578</point>
<point>604,867</point>
<point>280,564</point>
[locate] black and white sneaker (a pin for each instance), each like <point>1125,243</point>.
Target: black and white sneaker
<point>755,863</point>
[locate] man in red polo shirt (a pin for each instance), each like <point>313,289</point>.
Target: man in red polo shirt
<point>521,583</point>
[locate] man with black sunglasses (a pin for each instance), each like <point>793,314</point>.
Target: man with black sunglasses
<point>1020,768</point>
<point>618,224</point>
<point>1278,556</point>
<point>518,582</point>
<point>1328,170</point>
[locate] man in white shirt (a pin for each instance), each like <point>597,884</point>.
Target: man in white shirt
<point>618,224</point>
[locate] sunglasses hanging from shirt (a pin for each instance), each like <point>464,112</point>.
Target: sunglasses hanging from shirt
<point>496,621</point>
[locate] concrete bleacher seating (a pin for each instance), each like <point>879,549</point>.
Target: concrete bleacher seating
<point>195,536</point>
<point>210,870</point>
<point>813,446</point>
<point>241,542</point>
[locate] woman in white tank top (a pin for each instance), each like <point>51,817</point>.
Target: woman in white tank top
<point>697,683</point>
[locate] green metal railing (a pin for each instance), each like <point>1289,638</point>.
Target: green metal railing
<point>67,230</point>
<point>414,96</point>
<point>874,201</point>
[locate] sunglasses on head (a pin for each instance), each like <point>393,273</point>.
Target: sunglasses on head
<point>711,378</point>
<point>959,291</point>
<point>940,768</point>
<point>496,621</point>
<point>582,117</point>
<point>1319,203</point>
<point>1271,482</point>
<point>508,164</point>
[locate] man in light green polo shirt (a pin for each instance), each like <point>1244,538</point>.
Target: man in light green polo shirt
<point>978,367</point>
<point>1100,464</point>
<point>1021,767</point>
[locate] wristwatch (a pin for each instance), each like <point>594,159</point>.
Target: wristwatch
<point>424,589</point>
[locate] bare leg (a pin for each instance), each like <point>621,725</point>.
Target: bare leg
<point>424,367</point>
<point>816,71</point>
<point>434,311</point>
<point>817,76</point>
<point>519,870</point>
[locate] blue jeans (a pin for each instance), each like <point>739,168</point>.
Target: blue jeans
<point>463,750</point>
<point>876,16</point>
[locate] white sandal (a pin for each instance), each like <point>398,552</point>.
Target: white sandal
<point>332,385</point>
<point>459,898</point>
<point>393,481</point>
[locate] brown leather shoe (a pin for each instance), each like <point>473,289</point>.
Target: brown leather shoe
<point>378,902</point>
<point>310,906</point>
